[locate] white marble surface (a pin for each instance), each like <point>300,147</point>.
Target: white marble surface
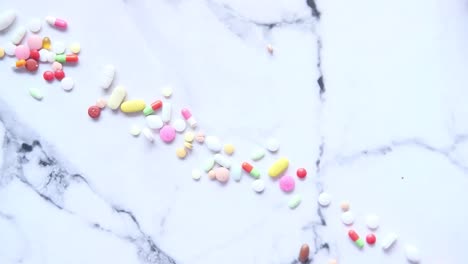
<point>386,131</point>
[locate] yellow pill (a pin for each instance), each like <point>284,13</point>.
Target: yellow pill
<point>133,106</point>
<point>181,153</point>
<point>75,48</point>
<point>188,145</point>
<point>278,167</point>
<point>189,137</point>
<point>46,43</point>
<point>229,149</point>
<point>2,53</point>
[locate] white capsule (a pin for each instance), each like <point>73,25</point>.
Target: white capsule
<point>43,54</point>
<point>108,75</point>
<point>117,97</point>
<point>389,240</point>
<point>412,254</point>
<point>236,172</point>
<point>222,161</point>
<point>166,112</point>
<point>18,35</point>
<point>6,19</point>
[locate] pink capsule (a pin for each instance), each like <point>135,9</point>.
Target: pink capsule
<point>57,22</point>
<point>188,116</point>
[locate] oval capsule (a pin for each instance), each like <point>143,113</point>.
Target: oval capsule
<point>108,75</point>
<point>278,167</point>
<point>18,35</point>
<point>133,106</point>
<point>166,112</point>
<point>117,97</point>
<point>304,253</point>
<point>6,19</point>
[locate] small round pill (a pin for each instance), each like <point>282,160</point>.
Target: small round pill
<point>35,42</point>
<point>272,144</point>
<point>67,83</point>
<point>370,239</point>
<point>324,199</point>
<point>412,254</point>
<point>344,205</point>
<point>22,52</point>
<point>372,221</point>
<point>347,218</point>
<point>10,49</point>
<point>34,54</point>
<point>148,134</point>
<point>56,65</point>
<point>2,52</point>
<point>332,261</point>
<point>35,25</point>
<point>301,173</point>
<point>51,56</point>
<point>179,125</point>
<point>101,103</point>
<point>59,74</point>
<point>32,65</point>
<point>229,149</point>
<point>212,175</point>
<point>154,121</point>
<point>48,76</point>
<point>258,185</point>
<point>43,54</point>
<point>222,174</point>
<point>196,174</point>
<point>167,133</point>
<point>135,130</point>
<point>304,253</point>
<point>181,153</point>
<point>189,136</point>
<point>200,137</point>
<point>287,183</point>
<point>75,48</point>
<point>59,47</point>
<point>167,91</point>
<point>188,145</point>
<point>94,112</point>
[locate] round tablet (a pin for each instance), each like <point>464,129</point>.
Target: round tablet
<point>59,47</point>
<point>10,49</point>
<point>167,91</point>
<point>51,56</point>
<point>135,130</point>
<point>34,54</point>
<point>43,54</point>
<point>213,143</point>
<point>287,183</point>
<point>200,137</point>
<point>75,48</point>
<point>67,83</point>
<point>229,149</point>
<point>273,144</point>
<point>412,254</point>
<point>258,186</point>
<point>101,103</point>
<point>35,25</point>
<point>212,175</point>
<point>344,205</point>
<point>35,42</point>
<point>189,136</point>
<point>154,121</point>
<point>56,65</point>
<point>222,174</point>
<point>59,75</point>
<point>188,145</point>
<point>347,218</point>
<point>301,173</point>
<point>370,239</point>
<point>94,112</point>
<point>167,133</point>
<point>179,125</point>
<point>22,52</point>
<point>32,65</point>
<point>181,153</point>
<point>48,76</point>
<point>372,221</point>
<point>324,199</point>
<point>196,174</point>
<point>2,52</point>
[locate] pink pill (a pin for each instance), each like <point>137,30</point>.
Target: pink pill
<point>35,42</point>
<point>56,66</point>
<point>22,52</point>
<point>287,183</point>
<point>167,133</point>
<point>222,174</point>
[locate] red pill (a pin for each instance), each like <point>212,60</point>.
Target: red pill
<point>247,167</point>
<point>34,54</point>
<point>370,239</point>
<point>59,75</point>
<point>31,65</point>
<point>71,58</point>
<point>301,173</point>
<point>94,111</point>
<point>353,235</point>
<point>48,76</point>
<point>156,105</point>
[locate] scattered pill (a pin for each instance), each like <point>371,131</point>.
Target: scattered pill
<point>132,106</point>
<point>295,201</point>
<point>94,111</point>
<point>20,63</point>
<point>18,35</point>
<point>148,110</point>
<point>2,52</point>
<point>228,149</point>
<point>35,42</point>
<point>258,185</point>
<point>46,43</point>
<point>254,172</point>
<point>332,261</point>
<point>59,47</point>
<point>148,134</point>
<point>48,76</point>
<point>67,83</point>
<point>75,48</point>
<point>34,54</point>
<point>167,133</point>
<point>32,65</point>
<point>156,105</point>
<point>389,241</point>
<point>236,172</point>
<point>135,130</point>
<point>304,253</point>
<point>347,218</point>
<point>36,93</point>
<point>181,153</point>
<point>370,239</point>
<point>51,56</point>
<point>43,54</point>
<point>189,136</point>
<point>270,49</point>
<point>213,143</point>
<point>222,174</point>
<point>372,221</point>
<point>154,122</point>
<point>188,117</point>
<point>35,25</point>
<point>272,144</point>
<point>166,112</point>
<point>278,167</point>
<point>117,97</point>
<point>107,77</point>
<point>412,254</point>
<point>6,19</point>
<point>56,65</point>
<point>196,174</point>
<point>287,183</point>
<point>222,161</point>
<point>22,52</point>
<point>355,238</point>
<point>188,145</point>
<point>179,125</point>
<point>208,164</point>
<point>212,175</point>
<point>257,154</point>
<point>59,74</point>
<point>101,103</point>
<point>301,173</point>
<point>56,22</point>
<point>167,91</point>
<point>10,49</point>
<point>324,199</point>
<point>200,137</point>
<point>344,205</point>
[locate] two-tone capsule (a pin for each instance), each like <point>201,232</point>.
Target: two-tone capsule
<point>355,238</point>
<point>188,117</point>
<point>150,109</point>
<point>56,22</point>
<point>66,58</point>
<point>254,172</point>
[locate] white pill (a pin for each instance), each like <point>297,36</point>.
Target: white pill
<point>166,112</point>
<point>372,221</point>
<point>258,185</point>
<point>35,25</point>
<point>59,47</point>
<point>213,143</point>
<point>222,161</point>
<point>196,174</point>
<point>135,130</point>
<point>412,254</point>
<point>43,53</point>
<point>324,199</point>
<point>257,154</point>
<point>51,56</point>
<point>179,125</point>
<point>389,240</point>
<point>347,218</point>
<point>236,172</point>
<point>67,83</point>
<point>148,134</point>
<point>10,49</point>
<point>272,144</point>
<point>18,36</point>
<point>108,75</point>
<point>154,121</point>
<point>167,91</point>
<point>117,97</point>
<point>6,19</point>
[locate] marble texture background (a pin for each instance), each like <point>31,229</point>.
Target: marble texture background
<point>369,96</point>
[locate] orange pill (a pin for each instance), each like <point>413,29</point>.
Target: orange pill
<point>304,253</point>
<point>20,63</point>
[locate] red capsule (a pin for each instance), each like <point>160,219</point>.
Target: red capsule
<point>304,254</point>
<point>156,105</point>
<point>48,76</point>
<point>59,75</point>
<point>71,58</point>
<point>247,167</point>
<point>31,65</point>
<point>34,54</point>
<point>94,111</point>
<point>370,239</point>
<point>353,235</point>
<point>301,173</point>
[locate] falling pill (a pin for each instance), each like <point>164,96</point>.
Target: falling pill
<point>304,253</point>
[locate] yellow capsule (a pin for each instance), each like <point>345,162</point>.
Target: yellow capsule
<point>46,43</point>
<point>278,167</point>
<point>20,63</point>
<point>133,106</point>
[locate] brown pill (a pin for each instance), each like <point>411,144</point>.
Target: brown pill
<point>31,65</point>
<point>304,253</point>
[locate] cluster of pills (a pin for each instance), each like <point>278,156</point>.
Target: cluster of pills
<point>38,49</point>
